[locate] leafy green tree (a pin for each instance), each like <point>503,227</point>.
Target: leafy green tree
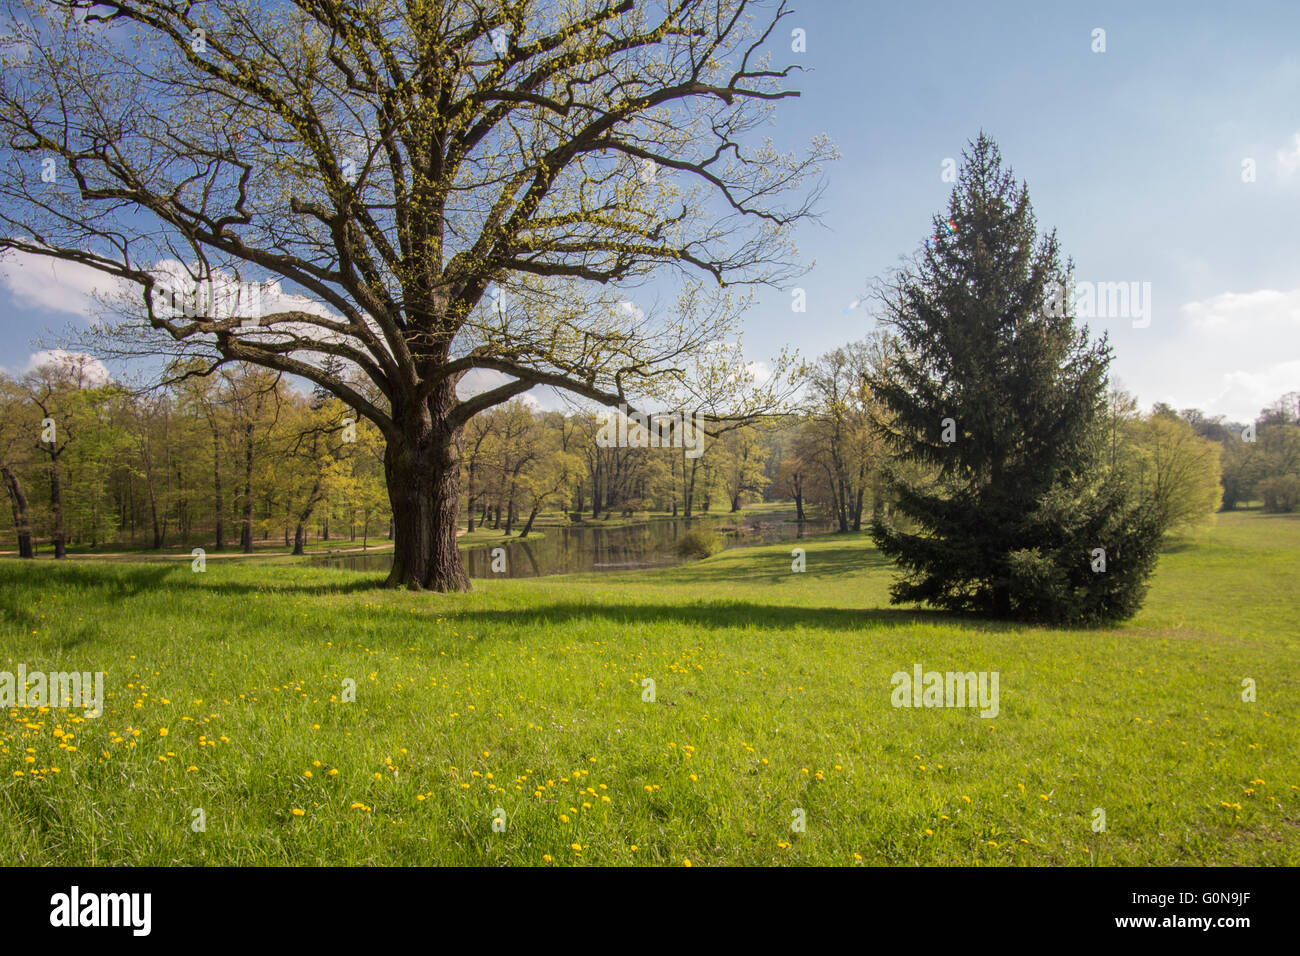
<point>442,187</point>
<point>1280,493</point>
<point>59,387</point>
<point>1177,470</point>
<point>19,424</point>
<point>740,462</point>
<point>836,437</point>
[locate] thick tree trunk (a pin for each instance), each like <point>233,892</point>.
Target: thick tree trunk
<point>529,525</point>
<point>22,516</point>
<point>423,472</point>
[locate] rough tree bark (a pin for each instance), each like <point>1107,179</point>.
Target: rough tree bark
<point>423,472</point>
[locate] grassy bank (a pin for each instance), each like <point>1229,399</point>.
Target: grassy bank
<point>224,693</point>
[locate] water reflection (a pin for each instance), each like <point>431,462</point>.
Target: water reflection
<point>591,547</point>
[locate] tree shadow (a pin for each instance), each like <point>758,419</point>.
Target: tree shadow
<point>820,563</point>
<point>731,614</point>
<point>126,581</point>
<point>372,583</point>
<point>19,575</point>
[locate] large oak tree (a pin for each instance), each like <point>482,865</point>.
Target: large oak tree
<point>436,187</point>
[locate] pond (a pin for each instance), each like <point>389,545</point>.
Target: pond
<point>589,547</point>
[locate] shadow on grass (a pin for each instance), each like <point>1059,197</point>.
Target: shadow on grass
<point>726,614</point>
<point>821,563</point>
<point>20,576</point>
<point>121,581</point>
<point>369,583</point>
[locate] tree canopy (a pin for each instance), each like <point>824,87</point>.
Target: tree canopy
<point>429,189</point>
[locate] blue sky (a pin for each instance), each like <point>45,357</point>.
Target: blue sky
<point>1135,156</point>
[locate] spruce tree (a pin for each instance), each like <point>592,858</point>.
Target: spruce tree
<point>998,396</point>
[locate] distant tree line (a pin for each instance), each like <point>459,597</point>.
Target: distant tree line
<point>244,455</point>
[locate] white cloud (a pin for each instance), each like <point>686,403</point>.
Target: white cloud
<point>1288,160</point>
<point>1232,354</point>
<point>87,368</point>
<point>223,296</point>
<point>478,380</point>
<point>55,284</point>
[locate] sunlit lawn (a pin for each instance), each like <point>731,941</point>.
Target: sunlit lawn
<point>772,695</point>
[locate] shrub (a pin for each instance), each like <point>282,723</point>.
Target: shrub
<point>699,543</point>
<point>1281,493</point>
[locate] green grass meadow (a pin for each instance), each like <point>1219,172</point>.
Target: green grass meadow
<point>521,705</point>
